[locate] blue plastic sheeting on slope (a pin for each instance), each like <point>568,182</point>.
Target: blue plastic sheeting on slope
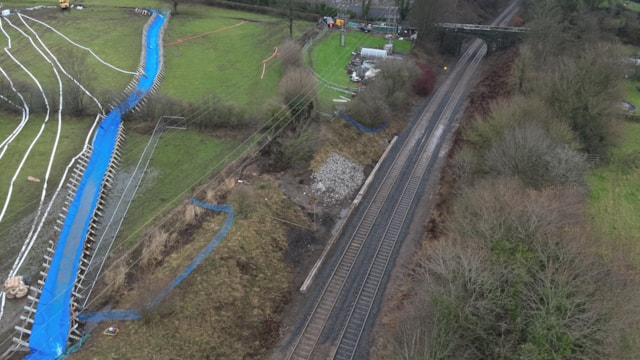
<point>114,315</point>
<point>52,320</point>
<point>202,254</point>
<point>110,315</point>
<point>363,128</point>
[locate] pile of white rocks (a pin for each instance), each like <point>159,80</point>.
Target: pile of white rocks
<point>337,179</point>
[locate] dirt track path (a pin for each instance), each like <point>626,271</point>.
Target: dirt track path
<point>180,41</point>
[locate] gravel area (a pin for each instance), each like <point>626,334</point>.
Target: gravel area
<point>337,179</point>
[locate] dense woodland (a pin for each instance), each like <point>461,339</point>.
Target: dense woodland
<point>516,270</point>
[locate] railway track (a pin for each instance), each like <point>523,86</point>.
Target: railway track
<point>428,141</point>
<point>306,343</point>
<point>361,310</point>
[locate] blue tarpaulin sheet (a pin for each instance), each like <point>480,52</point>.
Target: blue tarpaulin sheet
<point>363,128</point>
<point>52,320</point>
<point>203,253</point>
<point>114,315</point>
<point>110,315</point>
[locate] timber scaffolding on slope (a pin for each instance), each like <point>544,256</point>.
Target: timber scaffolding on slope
<point>496,37</point>
<point>108,138</point>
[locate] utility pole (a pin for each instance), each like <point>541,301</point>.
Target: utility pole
<point>342,14</point>
<point>392,18</point>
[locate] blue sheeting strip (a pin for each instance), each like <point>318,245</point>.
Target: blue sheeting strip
<point>110,315</point>
<point>202,254</point>
<point>114,315</point>
<point>363,128</point>
<point>50,330</point>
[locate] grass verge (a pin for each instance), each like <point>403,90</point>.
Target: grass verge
<point>615,197</point>
<point>229,307</point>
<point>183,160</point>
<point>328,59</point>
<point>26,194</point>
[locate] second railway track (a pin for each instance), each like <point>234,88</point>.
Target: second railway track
<point>306,343</point>
<point>417,155</point>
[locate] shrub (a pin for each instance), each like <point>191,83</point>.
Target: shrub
<point>523,72</point>
<point>155,107</point>
<point>275,117</point>
<point>426,80</point>
<point>511,113</point>
<point>528,153</point>
<point>153,248</point>
<point>215,113</point>
<point>297,91</point>
<point>298,151</point>
<point>290,55</point>
<point>505,209</point>
<point>368,109</point>
<point>583,92</point>
<point>394,82</point>
<point>242,204</point>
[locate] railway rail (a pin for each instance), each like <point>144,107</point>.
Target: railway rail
<point>425,142</point>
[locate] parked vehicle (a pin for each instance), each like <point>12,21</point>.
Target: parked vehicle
<point>329,21</point>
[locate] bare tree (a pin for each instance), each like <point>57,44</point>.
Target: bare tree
<point>174,5</point>
<point>508,114</point>
<point>530,154</point>
<point>403,8</point>
<point>514,279</point>
<point>394,83</point>
<point>290,55</point>
<point>582,91</point>
<point>546,35</point>
<point>75,99</point>
<point>298,92</point>
<point>425,14</point>
<point>364,7</point>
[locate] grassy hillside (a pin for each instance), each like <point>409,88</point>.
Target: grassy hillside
<point>227,63</point>
<point>227,57</point>
<point>214,51</point>
<point>183,160</point>
<point>25,194</point>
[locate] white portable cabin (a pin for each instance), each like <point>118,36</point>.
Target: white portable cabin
<point>369,53</point>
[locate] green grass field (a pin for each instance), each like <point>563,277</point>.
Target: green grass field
<point>227,63</point>
<point>25,194</point>
<point>615,191</point>
<point>182,161</point>
<point>328,59</point>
